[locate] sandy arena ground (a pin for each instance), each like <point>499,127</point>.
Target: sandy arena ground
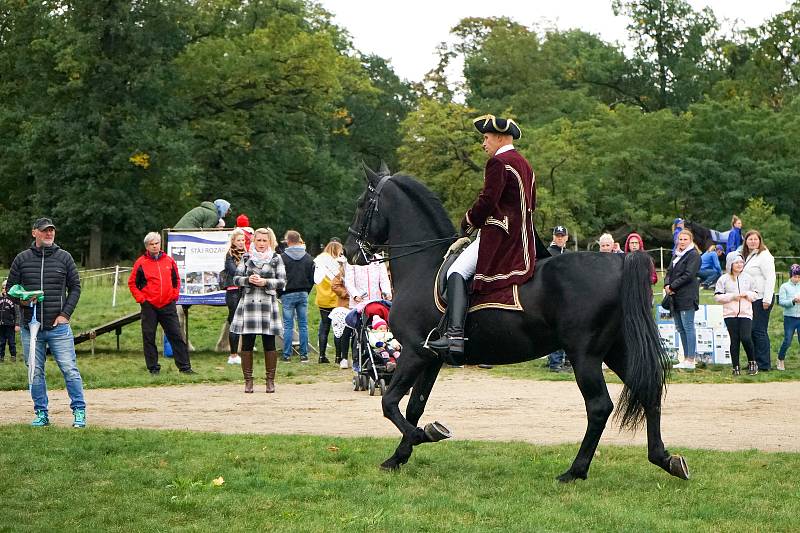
<point>472,404</point>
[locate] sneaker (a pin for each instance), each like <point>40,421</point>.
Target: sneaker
<point>41,420</point>
<point>188,371</point>
<point>736,371</point>
<point>343,364</point>
<point>79,418</point>
<point>286,359</point>
<point>304,359</point>
<point>685,365</point>
<point>752,368</point>
<point>155,372</point>
<point>234,360</point>
<point>485,366</point>
<point>323,360</point>
<point>13,358</point>
<point>781,365</point>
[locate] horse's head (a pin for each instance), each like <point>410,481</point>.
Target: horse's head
<point>369,227</point>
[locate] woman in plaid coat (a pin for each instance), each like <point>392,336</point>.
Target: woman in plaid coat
<point>261,275</point>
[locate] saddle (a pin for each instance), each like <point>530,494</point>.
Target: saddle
<point>506,298</point>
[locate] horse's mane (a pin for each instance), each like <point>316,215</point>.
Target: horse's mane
<point>426,200</point>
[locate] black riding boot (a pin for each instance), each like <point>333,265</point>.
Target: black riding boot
<point>451,345</point>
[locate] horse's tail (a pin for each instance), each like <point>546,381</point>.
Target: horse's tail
<point>647,365</point>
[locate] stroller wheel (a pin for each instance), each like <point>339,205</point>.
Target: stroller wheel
<point>371,387</point>
<point>356,383</point>
<point>382,386</point>
<point>364,381</point>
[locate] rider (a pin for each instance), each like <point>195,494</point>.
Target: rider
<point>504,252</point>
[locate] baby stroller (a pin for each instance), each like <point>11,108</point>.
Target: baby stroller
<point>370,372</point>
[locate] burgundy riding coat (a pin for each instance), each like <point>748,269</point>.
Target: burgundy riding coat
<point>503,212</point>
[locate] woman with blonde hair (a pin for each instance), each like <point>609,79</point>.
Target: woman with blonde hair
<point>760,264</point>
<point>260,274</point>
<point>233,256</point>
<point>734,235</point>
<point>326,268</point>
<point>683,288</point>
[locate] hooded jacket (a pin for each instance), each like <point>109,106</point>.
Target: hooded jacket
<point>728,289</point>
<point>52,270</point>
<point>155,280</point>
<point>203,216</point>
<point>299,270</point>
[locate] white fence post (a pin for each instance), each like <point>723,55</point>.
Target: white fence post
<point>116,280</point>
<point>661,255</point>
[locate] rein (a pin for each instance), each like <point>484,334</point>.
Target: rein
<point>367,248</point>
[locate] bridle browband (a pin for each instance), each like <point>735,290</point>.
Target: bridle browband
<point>366,248</point>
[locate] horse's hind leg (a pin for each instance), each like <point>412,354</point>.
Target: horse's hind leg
<point>589,376</point>
<point>405,376</point>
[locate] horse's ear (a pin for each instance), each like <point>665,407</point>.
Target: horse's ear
<point>369,174</point>
<point>384,169</point>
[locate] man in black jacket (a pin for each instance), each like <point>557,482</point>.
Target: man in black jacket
<point>299,282</point>
<point>557,361</point>
<point>44,266</point>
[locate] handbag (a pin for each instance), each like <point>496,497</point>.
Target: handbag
<point>666,303</point>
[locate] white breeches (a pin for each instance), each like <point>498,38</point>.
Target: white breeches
<point>467,262</point>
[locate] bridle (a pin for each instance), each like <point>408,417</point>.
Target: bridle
<point>367,248</point>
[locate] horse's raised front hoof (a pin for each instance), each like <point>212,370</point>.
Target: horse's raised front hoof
<point>391,464</point>
<point>678,467</point>
<point>569,477</point>
<point>436,431</point>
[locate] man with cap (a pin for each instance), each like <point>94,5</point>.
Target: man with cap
<point>504,252</point>
<point>557,361</point>
<point>204,216</point>
<point>44,266</point>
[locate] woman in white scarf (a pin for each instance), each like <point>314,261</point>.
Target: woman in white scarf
<point>683,287</point>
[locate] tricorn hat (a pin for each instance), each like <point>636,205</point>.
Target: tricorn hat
<point>493,124</point>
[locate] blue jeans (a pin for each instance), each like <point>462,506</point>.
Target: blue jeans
<point>708,277</point>
<point>556,360</point>
<point>295,303</point>
<point>791,324</point>
<point>760,336</point>
<point>684,323</point>
<point>62,346</point>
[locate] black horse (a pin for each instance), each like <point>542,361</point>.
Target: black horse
<point>595,306</point>
<point>704,237</point>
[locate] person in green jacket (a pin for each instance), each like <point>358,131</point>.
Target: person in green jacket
<point>205,215</point>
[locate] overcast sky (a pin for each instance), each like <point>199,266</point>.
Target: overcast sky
<point>407,31</point>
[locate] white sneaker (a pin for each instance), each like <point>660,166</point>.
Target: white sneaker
<point>343,364</point>
<point>234,360</point>
<point>685,365</point>
<point>781,365</point>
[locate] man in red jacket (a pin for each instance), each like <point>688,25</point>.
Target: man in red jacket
<point>155,284</point>
<point>504,252</point>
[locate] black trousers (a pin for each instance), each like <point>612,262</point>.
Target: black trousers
<point>249,342</point>
<point>167,316</point>
<point>343,343</point>
<point>740,331</point>
<point>324,329</point>
<point>232,298</point>
<point>7,335</point>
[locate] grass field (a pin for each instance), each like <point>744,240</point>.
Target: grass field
<point>122,480</point>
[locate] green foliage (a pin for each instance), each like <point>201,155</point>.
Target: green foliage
<point>776,230</point>
<point>154,480</point>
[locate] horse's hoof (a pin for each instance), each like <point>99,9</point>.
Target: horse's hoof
<point>436,431</point>
<point>678,467</point>
<point>390,465</point>
<point>569,477</point>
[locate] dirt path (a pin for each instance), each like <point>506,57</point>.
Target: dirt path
<point>472,404</point>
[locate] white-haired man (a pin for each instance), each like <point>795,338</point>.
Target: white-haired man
<point>155,284</point>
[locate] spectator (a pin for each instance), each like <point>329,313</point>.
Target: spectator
<point>759,263</point>
<point>634,243</point>
<point>44,266</point>
<point>299,282</point>
<point>383,342</point>
<point>341,333</point>
<point>735,235</point>
<point>155,283</point>
<point>243,223</point>
<point>206,215</point>
<point>10,319</point>
<point>261,274</point>
<point>677,227</point>
<point>236,249</point>
<point>557,361</point>
<point>606,242</point>
<point>326,268</point>
<point>710,271</point>
<point>367,283</point>
<point>789,299</point>
<point>735,291</point>
<point>681,284</point>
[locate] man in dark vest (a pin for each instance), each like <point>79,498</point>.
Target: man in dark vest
<point>504,252</point>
